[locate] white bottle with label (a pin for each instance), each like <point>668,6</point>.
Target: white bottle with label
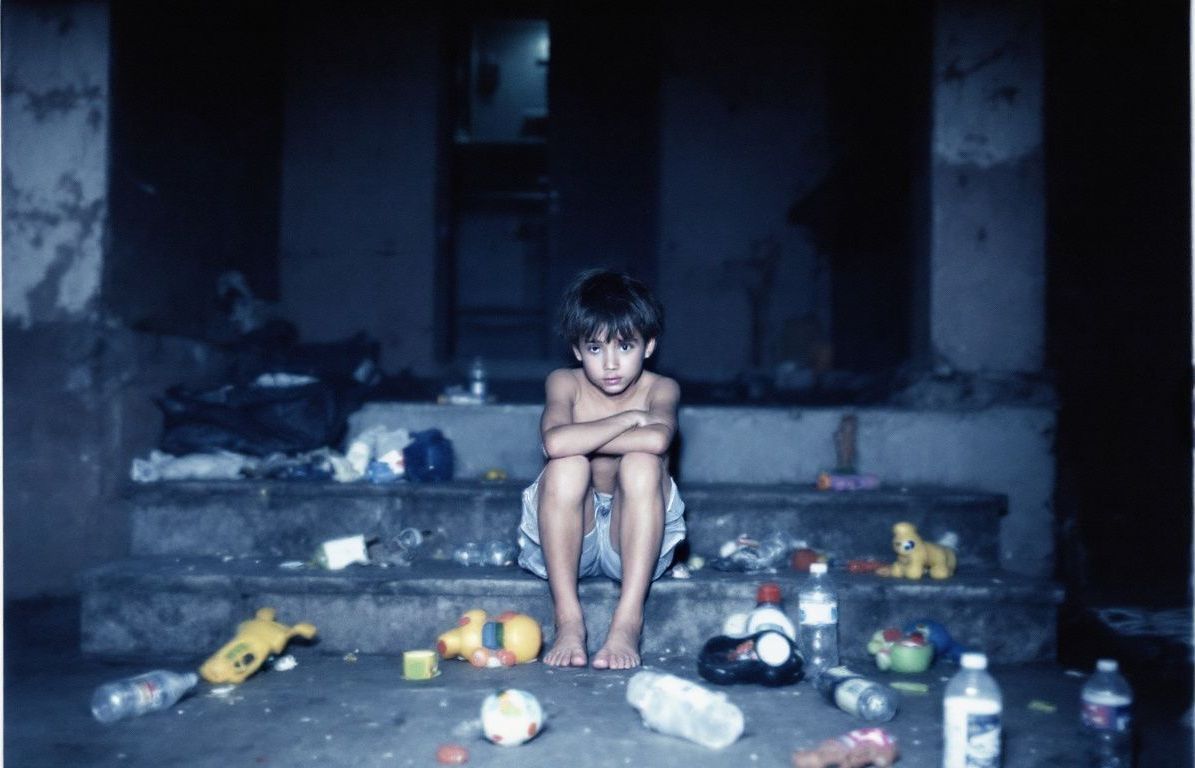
<point>972,710</point>
<point>817,603</point>
<point>1106,715</point>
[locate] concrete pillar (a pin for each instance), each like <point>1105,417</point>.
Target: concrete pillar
<point>986,275</point>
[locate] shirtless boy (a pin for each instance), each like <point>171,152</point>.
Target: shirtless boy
<point>604,503</point>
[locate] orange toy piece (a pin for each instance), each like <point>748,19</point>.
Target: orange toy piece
<point>858,749</point>
<point>510,638</point>
<point>255,640</point>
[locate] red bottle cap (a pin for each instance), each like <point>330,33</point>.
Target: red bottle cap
<point>769,592</point>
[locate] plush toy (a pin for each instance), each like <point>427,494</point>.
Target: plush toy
<point>900,652</point>
<point>510,638</point>
<point>945,646</point>
<point>857,749</point>
<point>255,640</point>
<point>914,556</point>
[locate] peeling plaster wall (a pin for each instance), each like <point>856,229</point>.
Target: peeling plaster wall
<point>987,261</point>
<point>55,94</point>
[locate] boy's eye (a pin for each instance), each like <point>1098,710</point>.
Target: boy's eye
<point>626,346</point>
<point>593,349</point>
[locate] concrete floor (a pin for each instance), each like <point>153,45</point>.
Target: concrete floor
<point>334,711</point>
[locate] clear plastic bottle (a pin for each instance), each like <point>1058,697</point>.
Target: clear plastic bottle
<point>857,695</point>
<point>1106,716</point>
<point>678,707</point>
<point>133,696</point>
<point>972,709</point>
<point>479,386</point>
<point>769,612</point>
<point>818,607</point>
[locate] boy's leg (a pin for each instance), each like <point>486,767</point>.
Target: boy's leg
<point>636,532</point>
<point>565,514</point>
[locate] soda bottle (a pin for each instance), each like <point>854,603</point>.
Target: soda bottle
<point>971,716</point>
<point>678,707</point>
<point>133,696</point>
<point>817,605</point>
<point>769,612</point>
<point>857,695</point>
<point>1106,714</point>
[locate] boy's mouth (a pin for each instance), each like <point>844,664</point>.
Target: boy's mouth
<point>611,380</point>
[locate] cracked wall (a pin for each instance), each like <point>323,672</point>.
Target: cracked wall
<point>55,94</point>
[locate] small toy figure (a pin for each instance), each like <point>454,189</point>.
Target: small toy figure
<point>914,556</point>
<point>255,640</point>
<point>856,749</point>
<point>511,638</point>
<point>945,646</point>
<point>900,652</point>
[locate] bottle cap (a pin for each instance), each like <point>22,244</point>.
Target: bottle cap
<point>1107,665</point>
<point>973,660</point>
<point>773,648</point>
<point>768,592</point>
<point>816,568</point>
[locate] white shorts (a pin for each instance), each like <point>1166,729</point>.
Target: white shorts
<point>598,556</point>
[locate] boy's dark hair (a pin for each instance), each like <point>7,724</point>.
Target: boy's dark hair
<point>602,299</point>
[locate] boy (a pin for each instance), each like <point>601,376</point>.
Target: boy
<point>604,502</point>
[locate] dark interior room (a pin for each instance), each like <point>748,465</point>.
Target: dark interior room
<point>279,275</point>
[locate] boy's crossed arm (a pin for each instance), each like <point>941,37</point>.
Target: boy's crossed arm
<point>650,431</point>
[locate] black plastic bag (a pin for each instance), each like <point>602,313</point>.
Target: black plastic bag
<point>253,420</point>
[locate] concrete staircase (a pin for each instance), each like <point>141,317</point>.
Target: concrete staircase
<point>205,555</point>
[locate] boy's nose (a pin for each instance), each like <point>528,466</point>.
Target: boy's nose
<point>609,361</point>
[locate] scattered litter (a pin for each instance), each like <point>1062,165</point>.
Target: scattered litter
<point>218,465</point>
<point>494,475</point>
<point>291,565</point>
<point>466,729</point>
<point>909,687</point>
<point>696,562</point>
<point>227,558</point>
<point>1038,705</point>
<point>681,571</point>
<point>1074,673</point>
<point>336,554</point>
<point>255,640</point>
<point>285,663</point>
<point>452,754</point>
<point>221,690</point>
<point>350,657</point>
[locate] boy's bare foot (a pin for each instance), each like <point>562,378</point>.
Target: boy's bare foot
<point>621,649</point>
<point>568,650</point>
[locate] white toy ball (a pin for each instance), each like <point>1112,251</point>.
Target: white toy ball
<point>511,717</point>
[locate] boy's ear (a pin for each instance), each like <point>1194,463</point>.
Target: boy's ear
<point>651,347</point>
<point>577,352</point>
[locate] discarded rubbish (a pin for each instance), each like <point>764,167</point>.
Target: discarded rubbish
<point>428,457</point>
<point>678,707</point>
<point>217,465</point>
<point>803,558</point>
<point>906,686</point>
<point>1040,705</point>
<point>945,646</point>
<point>855,749</point>
<point>137,695</point>
<point>420,665</point>
<point>899,652</point>
<point>336,554</point>
<point>768,657</point>
<point>511,717</point>
<point>284,663</point>
<point>508,639</point>
<point>494,475</point>
<point>834,481</point>
<point>768,613</point>
<point>857,695</point>
<point>1106,716</point>
<point>747,555</point>
<point>404,548</point>
<point>863,565</point>
<point>493,552</point>
<point>255,640</point>
<point>915,556</point>
<point>971,721</point>
<point>376,453</point>
<point>817,605</point>
<point>452,754</point>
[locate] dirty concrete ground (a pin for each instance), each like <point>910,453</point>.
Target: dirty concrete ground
<point>336,711</point>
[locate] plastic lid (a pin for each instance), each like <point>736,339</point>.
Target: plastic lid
<point>973,660</point>
<point>768,592</point>
<point>816,568</point>
<point>1107,665</point>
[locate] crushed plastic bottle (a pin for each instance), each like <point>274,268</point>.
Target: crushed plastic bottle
<point>137,695</point>
<point>679,707</point>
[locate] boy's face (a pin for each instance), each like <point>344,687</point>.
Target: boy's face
<point>613,364</point>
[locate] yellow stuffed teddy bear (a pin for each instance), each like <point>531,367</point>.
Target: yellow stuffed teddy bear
<point>255,640</point>
<point>914,556</point>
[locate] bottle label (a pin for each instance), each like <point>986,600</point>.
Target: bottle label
<point>817,613</point>
<point>847,693</point>
<point>972,733</point>
<point>150,695</point>
<point>1112,714</point>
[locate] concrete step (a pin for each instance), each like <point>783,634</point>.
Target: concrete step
<point>290,519</point>
<point>168,605</point>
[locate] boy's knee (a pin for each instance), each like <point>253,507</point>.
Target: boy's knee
<point>640,472</point>
<point>568,474</point>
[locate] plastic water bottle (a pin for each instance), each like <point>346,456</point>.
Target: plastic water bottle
<point>143,693</point>
<point>818,607</point>
<point>857,695</point>
<point>678,707</point>
<point>972,710</point>
<point>769,612</point>
<point>1106,714</point>
<point>478,383</point>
